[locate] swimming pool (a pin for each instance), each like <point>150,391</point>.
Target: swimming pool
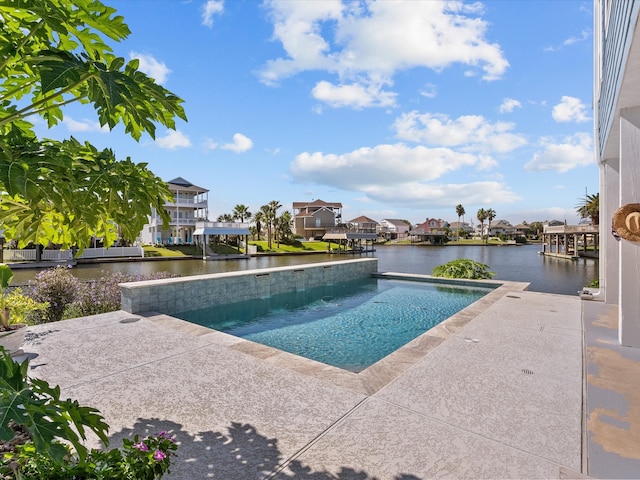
<point>349,325</point>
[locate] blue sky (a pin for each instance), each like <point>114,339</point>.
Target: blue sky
<point>395,109</point>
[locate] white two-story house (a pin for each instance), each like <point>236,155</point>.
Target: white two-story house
<point>190,204</point>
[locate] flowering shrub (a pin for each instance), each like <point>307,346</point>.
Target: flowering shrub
<point>103,294</point>
<point>70,298</point>
<point>146,459</point>
<point>58,287</point>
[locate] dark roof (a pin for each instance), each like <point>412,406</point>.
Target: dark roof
<point>181,182</point>
<point>362,219</point>
<point>317,203</point>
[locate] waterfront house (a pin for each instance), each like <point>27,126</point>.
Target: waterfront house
<point>617,139</point>
<point>502,227</point>
<point>394,229</point>
<point>363,224</point>
<point>314,219</point>
<point>432,230</point>
<point>464,226</point>
<point>190,204</point>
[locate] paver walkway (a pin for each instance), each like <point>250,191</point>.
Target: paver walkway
<point>501,398</point>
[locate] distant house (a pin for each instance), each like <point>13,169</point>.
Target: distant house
<point>431,225</point>
<point>502,227</point>
<point>455,226</point>
<point>363,224</point>
<point>394,229</point>
<point>432,230</point>
<point>190,204</point>
<point>314,219</point>
<point>522,229</point>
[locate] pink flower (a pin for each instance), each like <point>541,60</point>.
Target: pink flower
<point>158,455</point>
<point>141,446</point>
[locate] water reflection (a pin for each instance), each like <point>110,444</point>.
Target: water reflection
<point>517,263</point>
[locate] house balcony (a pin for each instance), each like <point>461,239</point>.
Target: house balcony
<point>188,203</point>
<point>312,225</point>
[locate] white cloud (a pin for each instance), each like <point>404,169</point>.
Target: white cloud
<point>471,133</point>
<point>416,194</point>
<point>173,139</point>
<point>84,125</point>
<point>240,144</point>
<point>354,95</point>
<point>211,8</point>
<point>344,39</point>
<point>209,144</point>
<point>383,164</point>
<point>570,109</point>
<point>152,67</point>
<point>430,90</point>
<point>508,105</point>
<point>572,152</point>
<point>400,175</point>
<point>584,35</point>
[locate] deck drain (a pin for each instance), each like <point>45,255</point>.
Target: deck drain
<point>471,340</point>
<point>512,296</point>
<point>129,320</point>
<point>526,371</point>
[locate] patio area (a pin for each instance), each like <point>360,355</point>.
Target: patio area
<point>501,397</point>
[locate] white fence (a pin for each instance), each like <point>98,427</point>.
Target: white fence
<point>57,255</point>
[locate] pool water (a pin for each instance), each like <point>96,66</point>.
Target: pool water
<point>349,325</point>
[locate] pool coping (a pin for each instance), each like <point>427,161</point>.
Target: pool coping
<point>381,373</point>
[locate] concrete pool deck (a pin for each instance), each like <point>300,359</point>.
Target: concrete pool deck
<point>500,396</point>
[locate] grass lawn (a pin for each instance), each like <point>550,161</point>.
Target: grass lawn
<point>306,247</point>
<point>171,251</point>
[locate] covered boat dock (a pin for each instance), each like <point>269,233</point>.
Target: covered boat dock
<point>571,241</point>
<point>205,230</point>
<point>351,242</point>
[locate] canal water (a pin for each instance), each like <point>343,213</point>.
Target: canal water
<point>518,263</point>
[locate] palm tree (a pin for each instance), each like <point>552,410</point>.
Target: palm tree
<point>460,211</point>
<point>267,218</point>
<point>225,218</point>
<point>240,212</point>
<point>590,208</point>
<point>283,228</point>
<point>481,216</point>
<point>258,218</point>
<point>272,213</point>
<point>491,214</point>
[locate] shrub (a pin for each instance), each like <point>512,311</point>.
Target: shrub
<point>69,298</point>
<point>595,283</point>
<point>103,294</point>
<point>58,287</point>
<point>24,309</point>
<point>146,459</point>
<point>463,268</point>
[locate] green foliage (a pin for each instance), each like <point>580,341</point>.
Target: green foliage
<point>589,207</point>
<point>6,275</point>
<point>24,309</point>
<point>595,283</point>
<point>146,459</point>
<point>34,404</point>
<point>51,54</point>
<point>463,268</point>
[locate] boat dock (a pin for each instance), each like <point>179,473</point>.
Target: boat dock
<point>571,241</point>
